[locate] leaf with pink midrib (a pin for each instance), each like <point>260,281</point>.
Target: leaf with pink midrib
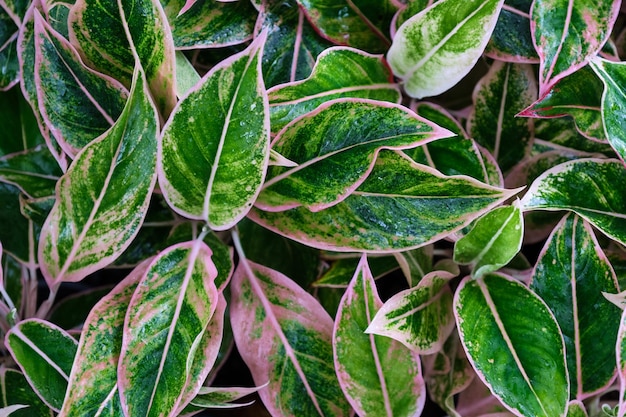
<point>284,336</point>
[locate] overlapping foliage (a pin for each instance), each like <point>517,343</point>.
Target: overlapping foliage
<point>380,206</point>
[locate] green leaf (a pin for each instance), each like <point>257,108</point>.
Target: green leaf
<point>34,171</point>
<point>586,187</point>
<point>213,158</point>
<point>524,362</point>
<point>415,264</point>
<point>363,24</point>
<point>103,198</point>
<point>494,240</point>
<point>570,276</point>
<point>435,49</point>
<point>400,206</point>
<point>284,336</point>
<point>339,72</point>
<point>502,93</point>
<point>576,408</point>
<point>20,130</point>
<point>166,320</point>
<point>377,375</point>
<point>92,386</point>
<point>335,148</point>
<point>219,397</point>
<point>613,76</point>
<point>342,270</point>
<point>9,64</point>
<point>72,311</point>
<point>45,354</point>
<point>420,317</point>
<point>567,33</point>
<point>620,350</point>
<point>127,28</point>
<point>77,103</point>
<point>15,233</point>
<point>511,40</point>
<point>210,24</point>
<point>16,390</point>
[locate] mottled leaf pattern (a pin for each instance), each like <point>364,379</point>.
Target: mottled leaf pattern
<point>511,40</point>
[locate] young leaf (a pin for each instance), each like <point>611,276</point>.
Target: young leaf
<point>511,40</point>
<point>567,33</point>
<point>335,148</point>
<point>284,336</point>
<point>45,354</point>
<point>401,205</point>
<point>213,158</point>
<point>524,362</point>
<point>493,241</point>
<point>166,320</point>
<point>104,195</point>
<point>498,97</point>
<point>586,187</point>
<point>338,72</point>
<point>16,390</point>
<point>378,376</point>
<point>77,103</point>
<point>570,276</point>
<point>420,317</point>
<point>436,48</point>
<point>92,386</point>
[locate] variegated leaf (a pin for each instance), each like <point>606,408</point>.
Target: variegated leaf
<point>16,390</point>
<point>92,386</point>
<point>167,318</point>
<point>415,264</point>
<point>586,187</point>
<point>45,354</point>
<point>511,40</point>
<point>338,72</point>
<point>576,408</point>
<point>219,397</point>
<point>77,103</point>
<point>71,312</point>
<point>127,28</point>
<point>377,375</point>
<point>363,24</point>
<point>104,196</point>
<point>335,148</point>
<point>567,33</point>
<point>524,362</point>
<point>503,92</point>
<point>436,48</point>
<point>420,317</point>
<point>408,10</point>
<point>284,336</point>
<point>342,270</point>
<point>570,276</point>
<point>401,205</point>
<point>213,158</point>
<point>620,350</point>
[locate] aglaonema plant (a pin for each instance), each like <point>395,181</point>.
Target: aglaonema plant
<point>389,208</point>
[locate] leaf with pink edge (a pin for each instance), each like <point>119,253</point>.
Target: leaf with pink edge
<point>221,397</point>
<point>570,276</point>
<point>428,204</point>
<point>284,336</point>
<point>341,271</point>
<point>16,390</point>
<point>45,354</point>
<point>104,196</point>
<point>420,317</point>
<point>377,374</point>
<point>335,148</point>
<point>576,408</point>
<point>436,48</point>
<point>77,103</point>
<point>92,388</point>
<point>167,318</point>
<point>524,362</point>
<point>339,72</point>
<point>567,33</point>
<point>502,93</point>
<point>212,159</point>
<point>511,40</point>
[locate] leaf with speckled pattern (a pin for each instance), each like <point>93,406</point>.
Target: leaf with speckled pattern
<point>213,158</point>
<point>511,40</point>
<point>523,361</point>
<point>378,375</point>
<point>104,196</point>
<point>284,336</point>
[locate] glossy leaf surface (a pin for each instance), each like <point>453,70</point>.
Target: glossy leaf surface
<point>511,40</point>
<point>212,159</point>
<point>167,317</point>
<point>397,188</point>
<point>570,276</point>
<point>524,362</point>
<point>284,336</point>
<point>104,196</point>
<point>377,374</point>
<point>17,391</point>
<point>45,354</point>
<point>561,188</point>
<point>34,171</point>
<point>335,148</point>
<point>436,48</point>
